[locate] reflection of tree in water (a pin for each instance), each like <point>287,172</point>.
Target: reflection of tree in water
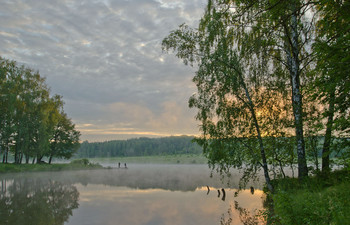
<point>223,220</point>
<point>36,202</point>
<point>245,216</point>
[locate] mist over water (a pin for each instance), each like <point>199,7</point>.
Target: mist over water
<point>141,194</point>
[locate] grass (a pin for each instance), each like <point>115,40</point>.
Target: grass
<point>160,159</point>
<point>317,200</point>
<point>80,164</point>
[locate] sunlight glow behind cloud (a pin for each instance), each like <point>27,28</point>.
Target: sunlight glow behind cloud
<point>105,59</point>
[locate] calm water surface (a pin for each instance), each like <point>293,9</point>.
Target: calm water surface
<point>141,194</point>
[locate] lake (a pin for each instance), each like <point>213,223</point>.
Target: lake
<point>141,194</point>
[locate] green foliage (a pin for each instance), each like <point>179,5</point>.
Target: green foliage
<point>242,93</point>
<point>266,68</point>
<point>327,207</point>
<point>33,124</point>
<point>78,165</point>
<point>65,139</point>
<point>317,200</point>
<point>332,75</point>
<point>84,162</point>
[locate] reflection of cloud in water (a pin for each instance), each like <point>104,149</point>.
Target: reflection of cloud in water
<point>101,204</point>
<point>150,194</point>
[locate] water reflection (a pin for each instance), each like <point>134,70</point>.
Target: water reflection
<point>139,195</point>
<point>252,190</point>
<point>243,207</point>
<point>121,205</point>
<point>167,177</point>
<point>223,194</point>
<point>247,215</point>
<point>36,201</point>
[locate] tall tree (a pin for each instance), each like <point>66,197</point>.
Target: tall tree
<point>30,92</point>
<point>64,140</point>
<point>8,72</point>
<point>271,40</point>
<point>332,88</point>
<point>286,29</point>
<point>230,91</point>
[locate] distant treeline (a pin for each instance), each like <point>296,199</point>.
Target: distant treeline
<point>139,147</point>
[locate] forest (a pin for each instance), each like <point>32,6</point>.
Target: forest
<point>139,147</point>
<point>33,123</point>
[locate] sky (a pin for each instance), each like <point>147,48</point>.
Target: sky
<point>105,58</point>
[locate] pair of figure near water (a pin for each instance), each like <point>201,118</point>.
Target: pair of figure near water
<point>124,165</point>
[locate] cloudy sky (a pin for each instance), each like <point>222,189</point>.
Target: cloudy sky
<point>104,57</point>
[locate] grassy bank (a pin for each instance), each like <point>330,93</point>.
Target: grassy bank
<point>93,163</point>
<point>318,200</point>
<point>158,159</point>
<point>79,164</point>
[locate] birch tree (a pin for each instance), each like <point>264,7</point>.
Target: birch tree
<point>287,30</point>
<point>231,92</point>
<point>247,50</point>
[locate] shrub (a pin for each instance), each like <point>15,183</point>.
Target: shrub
<point>84,162</point>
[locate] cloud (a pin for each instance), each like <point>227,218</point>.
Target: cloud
<point>134,120</point>
<point>104,54</point>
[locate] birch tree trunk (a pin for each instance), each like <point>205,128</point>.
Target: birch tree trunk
<point>294,69</point>
<point>261,144</point>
